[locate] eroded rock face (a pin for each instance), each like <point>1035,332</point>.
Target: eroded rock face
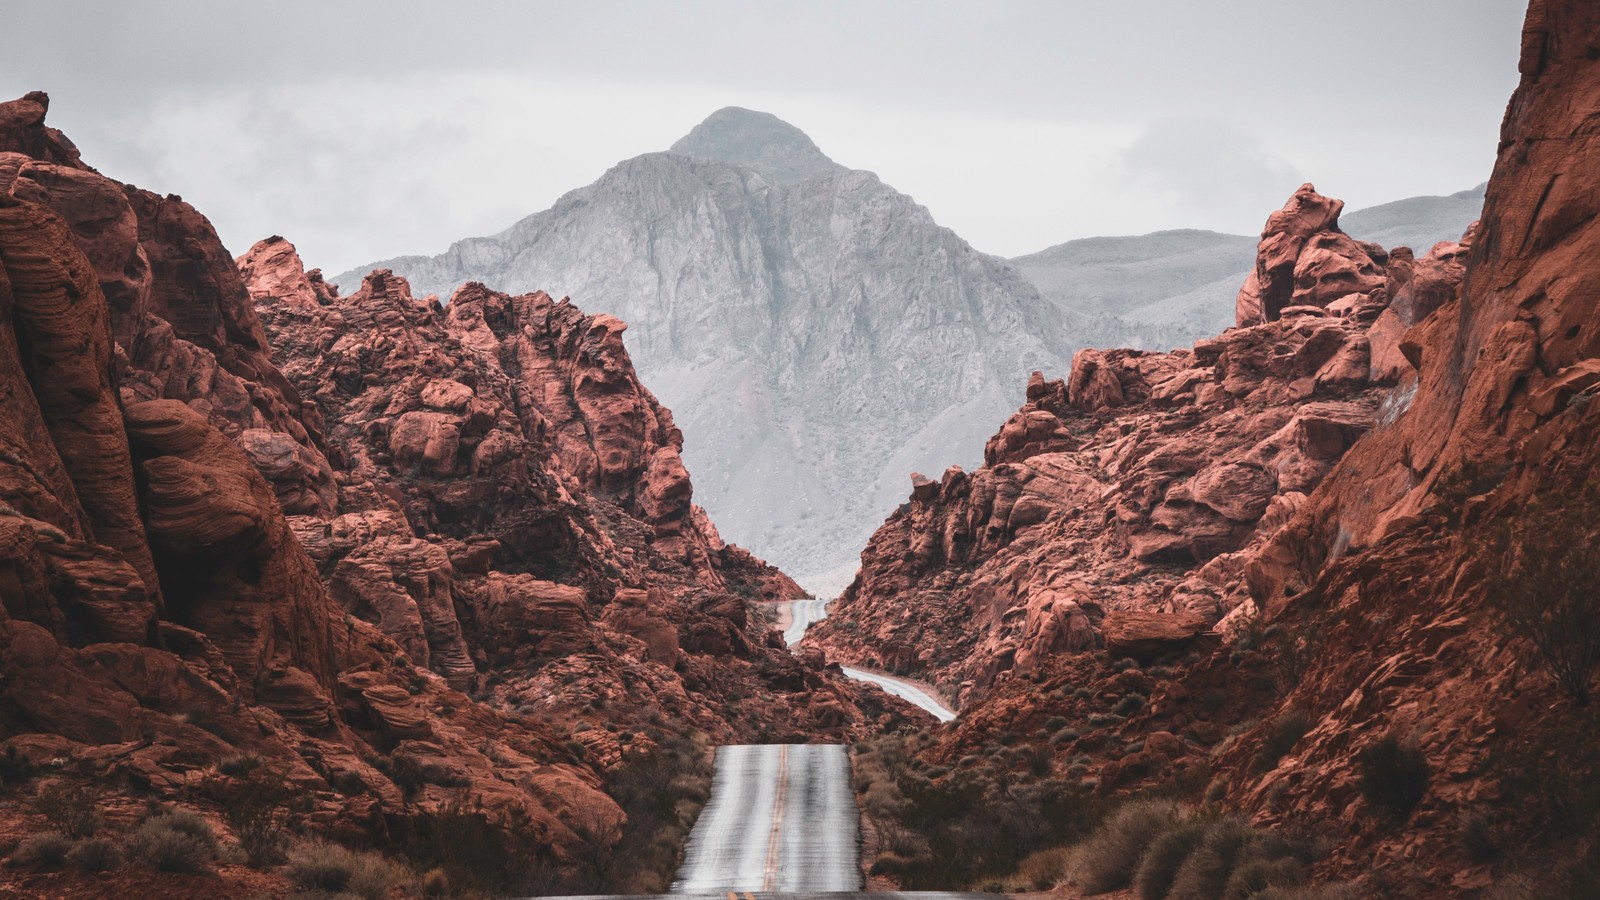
<point>1305,260</point>
<point>183,324</point>
<point>1144,483</point>
<point>1364,609</point>
<point>189,570</point>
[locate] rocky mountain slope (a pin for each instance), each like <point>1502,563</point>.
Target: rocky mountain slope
<point>423,566</point>
<point>817,333</point>
<point>1402,655</point>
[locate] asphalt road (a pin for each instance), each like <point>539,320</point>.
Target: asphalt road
<point>905,690</point>
<point>803,614</point>
<point>815,895</point>
<point>782,818</point>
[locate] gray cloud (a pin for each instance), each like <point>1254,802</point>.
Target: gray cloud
<point>363,129</point>
<point>1211,169</point>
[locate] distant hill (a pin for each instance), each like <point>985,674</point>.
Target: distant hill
<point>1169,289</point>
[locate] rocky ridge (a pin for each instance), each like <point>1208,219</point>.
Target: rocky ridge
<point>1372,682</point>
<point>1144,481</point>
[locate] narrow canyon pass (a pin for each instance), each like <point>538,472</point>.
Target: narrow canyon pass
<point>398,584</point>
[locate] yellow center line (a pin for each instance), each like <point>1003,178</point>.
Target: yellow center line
<point>769,883</point>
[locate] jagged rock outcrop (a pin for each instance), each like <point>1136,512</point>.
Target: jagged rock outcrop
<point>1369,617</point>
<point>1145,482</point>
<point>816,332</point>
<point>192,565</point>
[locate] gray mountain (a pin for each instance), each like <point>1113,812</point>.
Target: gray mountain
<point>816,334</point>
<point>1171,288</point>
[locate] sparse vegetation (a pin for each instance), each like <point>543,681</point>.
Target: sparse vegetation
<point>1393,774</point>
<point>1544,580</point>
<point>94,855</point>
<point>330,868</point>
<point>41,851</point>
<point>174,842</point>
<point>70,807</point>
<point>254,803</point>
<point>1284,732</point>
<point>1111,857</point>
<point>998,821</point>
<point>1169,853</point>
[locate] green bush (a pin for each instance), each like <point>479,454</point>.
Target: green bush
<point>1393,774</point>
<point>41,851</point>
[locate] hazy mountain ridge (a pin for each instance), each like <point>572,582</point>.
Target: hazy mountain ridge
<point>817,333</point>
<point>1168,289</point>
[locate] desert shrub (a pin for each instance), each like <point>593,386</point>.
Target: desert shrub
<point>1281,736</point>
<point>1393,774</point>
<point>321,866</point>
<point>661,794</point>
<point>94,855</point>
<point>1129,705</point>
<point>255,806</point>
<point>15,768</point>
<point>70,808</point>
<point>175,842</point>
<point>1040,870</point>
<point>1204,874</point>
<point>1547,588</point>
<point>240,764</point>
<point>1108,860</point>
<point>1476,833</point>
<point>434,883</point>
<point>1256,875</point>
<point>1065,735</point>
<point>1165,856</point>
<point>41,851</point>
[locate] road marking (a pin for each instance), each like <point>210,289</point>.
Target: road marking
<point>769,882</point>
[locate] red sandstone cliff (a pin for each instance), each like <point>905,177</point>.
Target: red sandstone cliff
<point>433,556</point>
<point>1145,482</point>
<point>1357,556</point>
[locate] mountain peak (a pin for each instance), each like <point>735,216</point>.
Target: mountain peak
<point>756,140</point>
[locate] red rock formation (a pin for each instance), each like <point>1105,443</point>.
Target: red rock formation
<point>498,499</point>
<point>1305,260</point>
<point>1146,481</point>
<point>184,326</point>
<point>1363,596</point>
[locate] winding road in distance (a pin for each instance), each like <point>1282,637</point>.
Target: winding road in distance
<point>805,613</point>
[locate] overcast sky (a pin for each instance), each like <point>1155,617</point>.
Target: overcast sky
<point>367,130</point>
